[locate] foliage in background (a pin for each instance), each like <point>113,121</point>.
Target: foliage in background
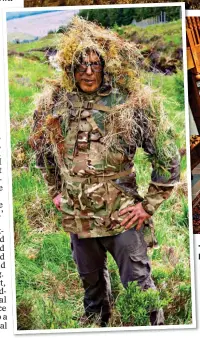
<point>125,16</point>
<point>49,291</point>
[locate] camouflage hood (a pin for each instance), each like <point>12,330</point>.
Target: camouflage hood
<point>121,57</point>
<point>121,71</point>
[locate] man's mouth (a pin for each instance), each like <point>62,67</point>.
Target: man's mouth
<point>88,81</point>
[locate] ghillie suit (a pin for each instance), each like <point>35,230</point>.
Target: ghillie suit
<point>85,143</point>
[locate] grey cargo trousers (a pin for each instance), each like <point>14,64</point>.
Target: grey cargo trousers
<point>130,253</point>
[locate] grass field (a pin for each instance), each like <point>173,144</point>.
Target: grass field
<point>49,292</point>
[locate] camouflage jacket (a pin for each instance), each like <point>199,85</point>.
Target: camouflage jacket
<point>95,184</point>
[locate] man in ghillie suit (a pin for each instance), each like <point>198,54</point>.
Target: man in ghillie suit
<point>87,127</point>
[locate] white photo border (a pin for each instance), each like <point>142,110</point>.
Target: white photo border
<point>7,116</point>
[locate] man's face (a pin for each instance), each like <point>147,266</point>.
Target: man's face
<point>89,74</point>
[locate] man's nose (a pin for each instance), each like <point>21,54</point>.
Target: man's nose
<point>89,70</point>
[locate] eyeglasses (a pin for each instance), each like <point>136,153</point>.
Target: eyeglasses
<point>96,67</point>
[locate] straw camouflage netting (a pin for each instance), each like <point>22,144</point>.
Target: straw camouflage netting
<point>85,143</point>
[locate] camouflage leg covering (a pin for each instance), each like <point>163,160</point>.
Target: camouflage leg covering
<point>90,258</point>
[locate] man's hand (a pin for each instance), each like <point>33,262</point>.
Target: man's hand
<point>57,200</point>
<point>136,214</point>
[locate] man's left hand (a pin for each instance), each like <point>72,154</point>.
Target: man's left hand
<point>136,215</point>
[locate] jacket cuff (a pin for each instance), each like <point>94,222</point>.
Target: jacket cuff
<point>148,207</point>
<point>157,193</point>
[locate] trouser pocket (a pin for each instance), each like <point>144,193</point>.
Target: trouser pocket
<point>141,271</point>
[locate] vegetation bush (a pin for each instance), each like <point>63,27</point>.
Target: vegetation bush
<point>135,305</point>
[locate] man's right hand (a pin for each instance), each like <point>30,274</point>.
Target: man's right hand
<point>57,200</point>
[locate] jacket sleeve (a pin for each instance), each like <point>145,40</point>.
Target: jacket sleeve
<point>45,160</point>
<point>52,179</point>
<point>165,159</point>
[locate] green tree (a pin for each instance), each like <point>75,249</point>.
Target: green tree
<point>124,16</point>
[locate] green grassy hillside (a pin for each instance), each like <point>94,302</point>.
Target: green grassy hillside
<point>49,292</point>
